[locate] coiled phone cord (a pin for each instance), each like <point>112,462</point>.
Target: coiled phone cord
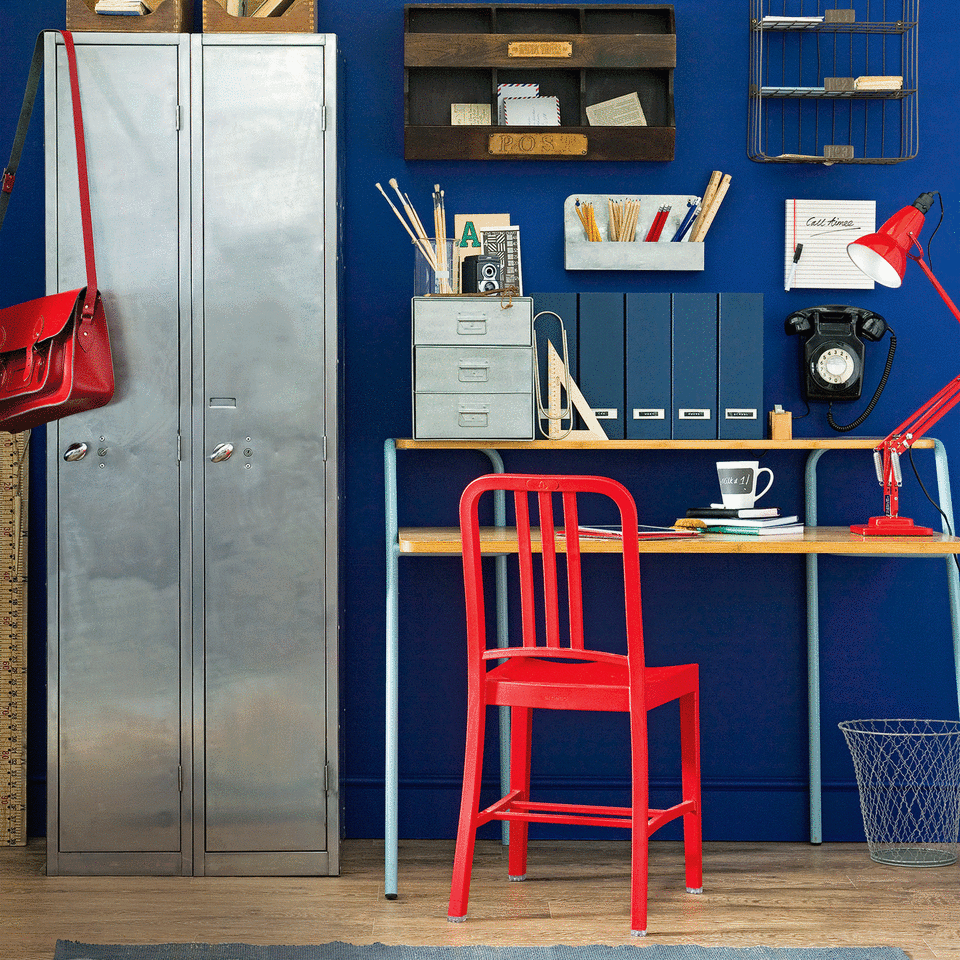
<point>876,396</point>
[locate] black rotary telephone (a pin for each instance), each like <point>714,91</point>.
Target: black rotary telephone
<point>833,352</point>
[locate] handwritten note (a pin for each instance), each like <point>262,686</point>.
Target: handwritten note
<point>825,227</point>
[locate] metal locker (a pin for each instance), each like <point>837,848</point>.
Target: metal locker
<point>192,522</point>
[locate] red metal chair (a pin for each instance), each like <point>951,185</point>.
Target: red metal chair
<point>556,672</point>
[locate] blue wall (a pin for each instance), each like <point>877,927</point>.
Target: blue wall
<point>885,624</point>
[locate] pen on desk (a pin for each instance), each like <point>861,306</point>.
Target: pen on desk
<point>687,221</point>
<point>793,267</point>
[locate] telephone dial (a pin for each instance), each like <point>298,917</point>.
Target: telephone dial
<point>833,352</point>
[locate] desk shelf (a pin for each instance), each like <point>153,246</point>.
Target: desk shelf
<point>495,541</point>
<point>798,443</point>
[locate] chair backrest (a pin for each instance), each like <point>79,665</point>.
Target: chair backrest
<point>558,535</point>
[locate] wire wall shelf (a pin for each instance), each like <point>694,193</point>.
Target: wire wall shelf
<point>833,81</point>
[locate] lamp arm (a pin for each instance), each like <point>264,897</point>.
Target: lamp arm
<point>918,259</point>
<point>887,452</point>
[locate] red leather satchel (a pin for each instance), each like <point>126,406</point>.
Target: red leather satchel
<point>55,355</point>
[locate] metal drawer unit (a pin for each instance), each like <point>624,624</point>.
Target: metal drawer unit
<point>472,368</point>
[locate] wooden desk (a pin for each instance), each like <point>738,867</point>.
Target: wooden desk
<point>445,541</point>
<point>499,541</point>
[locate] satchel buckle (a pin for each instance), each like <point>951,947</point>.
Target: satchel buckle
<point>7,183</point>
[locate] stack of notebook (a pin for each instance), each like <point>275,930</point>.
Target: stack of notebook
<point>754,521</point>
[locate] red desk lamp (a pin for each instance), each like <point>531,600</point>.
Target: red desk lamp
<point>883,256</point>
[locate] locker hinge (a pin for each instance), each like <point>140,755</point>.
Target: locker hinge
<point>326,778</point>
<point>323,117</point>
<point>180,776</point>
<point>179,116</point>
<point>324,448</point>
<point>179,458</point>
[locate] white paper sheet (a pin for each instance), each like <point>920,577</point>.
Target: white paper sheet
<point>825,227</point>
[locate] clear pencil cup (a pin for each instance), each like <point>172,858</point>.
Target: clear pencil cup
<point>436,277</point>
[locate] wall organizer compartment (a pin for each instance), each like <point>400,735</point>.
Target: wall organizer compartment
<point>460,53</point>
<point>299,17</point>
<point>831,84</point>
<point>582,254</point>
<point>169,16</point>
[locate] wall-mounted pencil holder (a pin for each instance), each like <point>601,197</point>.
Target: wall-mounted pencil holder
<point>649,215</point>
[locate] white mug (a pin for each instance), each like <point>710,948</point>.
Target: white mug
<point>738,482</point>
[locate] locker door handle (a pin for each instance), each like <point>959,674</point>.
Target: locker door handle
<point>76,451</point>
<point>221,452</point>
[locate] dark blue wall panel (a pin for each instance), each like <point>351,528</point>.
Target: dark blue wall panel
<point>885,629</point>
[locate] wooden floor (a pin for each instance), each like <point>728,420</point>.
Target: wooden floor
<point>773,894</point>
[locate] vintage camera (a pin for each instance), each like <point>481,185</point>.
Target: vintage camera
<point>481,273</point>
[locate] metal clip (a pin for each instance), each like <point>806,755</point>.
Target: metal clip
<point>544,412</point>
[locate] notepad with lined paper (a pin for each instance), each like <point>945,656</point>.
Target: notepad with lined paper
<point>825,227</point>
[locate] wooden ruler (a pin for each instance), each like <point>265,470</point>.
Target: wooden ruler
<point>557,376</point>
<point>13,638</point>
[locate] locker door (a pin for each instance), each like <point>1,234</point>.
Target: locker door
<point>115,514</point>
<point>261,390</point>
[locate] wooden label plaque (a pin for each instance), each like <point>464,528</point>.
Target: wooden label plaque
<point>540,48</point>
<point>532,144</point>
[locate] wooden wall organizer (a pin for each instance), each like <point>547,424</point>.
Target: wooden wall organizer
<point>582,254</point>
<point>459,53</point>
<point>170,16</point>
<point>300,17</point>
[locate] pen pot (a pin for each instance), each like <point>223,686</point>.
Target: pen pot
<point>430,278</point>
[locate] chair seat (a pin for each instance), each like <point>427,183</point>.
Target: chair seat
<point>582,685</point>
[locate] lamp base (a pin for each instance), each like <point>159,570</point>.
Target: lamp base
<point>890,527</point>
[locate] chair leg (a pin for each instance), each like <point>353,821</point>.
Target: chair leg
<point>639,834</point>
<point>690,766</point>
<point>521,728</point>
<point>639,872</point>
<point>469,808</point>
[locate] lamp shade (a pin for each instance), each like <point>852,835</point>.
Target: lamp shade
<point>882,256</point>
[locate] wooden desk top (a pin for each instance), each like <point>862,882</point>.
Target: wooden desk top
<point>445,541</point>
<point>801,443</point>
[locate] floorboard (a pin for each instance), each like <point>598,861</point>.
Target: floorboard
<point>777,894</point>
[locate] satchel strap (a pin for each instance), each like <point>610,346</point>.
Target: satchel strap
<point>23,124</point>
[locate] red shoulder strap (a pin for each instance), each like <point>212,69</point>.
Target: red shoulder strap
<point>9,173</point>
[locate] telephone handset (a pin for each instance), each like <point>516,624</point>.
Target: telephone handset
<point>833,352</point>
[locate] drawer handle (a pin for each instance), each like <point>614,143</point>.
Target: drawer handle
<point>474,371</point>
<point>474,415</point>
<point>471,326</point>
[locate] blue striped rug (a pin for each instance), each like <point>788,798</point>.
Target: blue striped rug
<point>69,950</point>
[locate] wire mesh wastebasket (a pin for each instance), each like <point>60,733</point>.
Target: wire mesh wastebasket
<point>908,775</point>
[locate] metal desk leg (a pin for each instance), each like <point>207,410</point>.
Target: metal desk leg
<point>503,634</point>
<point>953,575</point>
<point>945,500</point>
<point>813,655</point>
<point>391,785</point>
<point>391,743</point>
